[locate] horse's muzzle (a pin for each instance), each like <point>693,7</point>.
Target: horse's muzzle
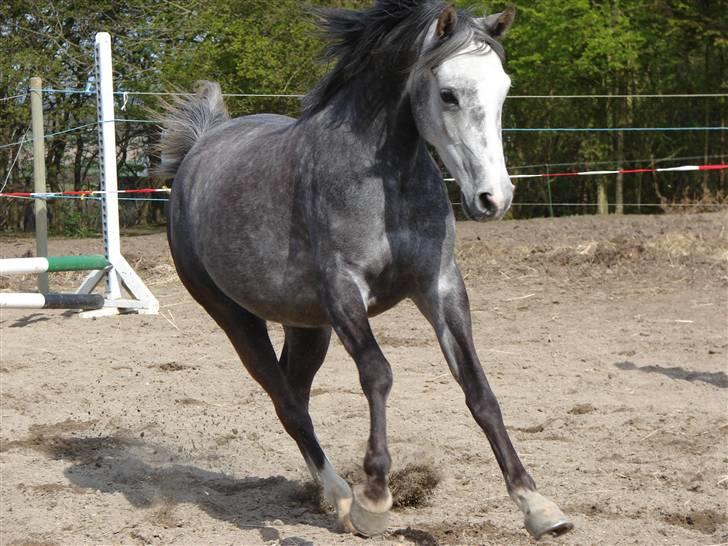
<point>484,207</point>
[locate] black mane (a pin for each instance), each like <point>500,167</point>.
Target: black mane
<point>385,39</point>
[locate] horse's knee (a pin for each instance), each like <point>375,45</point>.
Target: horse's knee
<point>376,378</point>
<point>484,408</point>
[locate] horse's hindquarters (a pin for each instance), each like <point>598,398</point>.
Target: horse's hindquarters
<point>241,215</point>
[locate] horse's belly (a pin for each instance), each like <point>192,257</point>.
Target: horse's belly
<point>299,309</point>
<point>272,290</point>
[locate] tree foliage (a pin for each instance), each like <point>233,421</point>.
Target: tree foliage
<point>557,47</point>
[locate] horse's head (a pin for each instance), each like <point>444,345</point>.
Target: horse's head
<point>457,89</point>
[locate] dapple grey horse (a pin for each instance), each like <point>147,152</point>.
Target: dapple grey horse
<point>325,221</point>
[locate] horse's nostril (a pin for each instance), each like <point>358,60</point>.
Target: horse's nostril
<point>487,203</point>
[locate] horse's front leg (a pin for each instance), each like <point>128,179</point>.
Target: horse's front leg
<point>445,304</point>
<point>345,303</point>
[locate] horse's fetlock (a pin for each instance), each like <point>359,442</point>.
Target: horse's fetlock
<point>377,465</point>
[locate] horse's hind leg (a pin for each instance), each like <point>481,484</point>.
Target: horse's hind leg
<point>303,353</point>
<point>288,384</point>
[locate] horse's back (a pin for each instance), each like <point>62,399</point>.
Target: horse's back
<point>230,162</point>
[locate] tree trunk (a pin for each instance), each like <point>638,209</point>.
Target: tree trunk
<point>638,194</point>
<point>78,164</point>
<point>602,197</point>
<point>706,174</point>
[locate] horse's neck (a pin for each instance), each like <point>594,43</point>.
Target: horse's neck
<point>389,130</point>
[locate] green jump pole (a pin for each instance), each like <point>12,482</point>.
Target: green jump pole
<point>27,266</point>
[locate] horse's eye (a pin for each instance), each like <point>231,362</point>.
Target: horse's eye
<point>448,97</point>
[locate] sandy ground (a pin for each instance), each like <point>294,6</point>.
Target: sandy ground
<point>605,340</point>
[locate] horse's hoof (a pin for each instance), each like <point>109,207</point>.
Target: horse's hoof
<point>547,519</point>
<point>346,525</point>
<point>368,518</point>
<point>343,513</point>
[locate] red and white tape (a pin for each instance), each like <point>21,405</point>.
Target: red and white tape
<point>684,168</point>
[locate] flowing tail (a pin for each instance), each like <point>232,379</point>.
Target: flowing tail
<point>185,121</point>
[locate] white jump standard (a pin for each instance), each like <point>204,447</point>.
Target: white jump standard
<point>120,273</point>
<point>112,267</point>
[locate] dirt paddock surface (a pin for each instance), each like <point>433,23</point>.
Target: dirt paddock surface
<point>604,338</point>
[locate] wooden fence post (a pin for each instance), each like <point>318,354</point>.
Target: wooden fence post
<point>39,177</point>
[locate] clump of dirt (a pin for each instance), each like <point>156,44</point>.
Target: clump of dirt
<point>420,538</point>
<point>413,485</point>
<point>582,409</point>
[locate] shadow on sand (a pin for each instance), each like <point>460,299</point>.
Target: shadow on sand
<point>29,320</point>
<point>144,475</point>
<point>717,379</point>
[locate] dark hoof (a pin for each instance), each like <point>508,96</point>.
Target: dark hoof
<point>366,517</point>
<point>548,521</point>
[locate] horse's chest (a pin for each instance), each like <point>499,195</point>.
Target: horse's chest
<point>383,272</point>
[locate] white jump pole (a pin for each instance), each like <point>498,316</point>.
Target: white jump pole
<point>51,301</point>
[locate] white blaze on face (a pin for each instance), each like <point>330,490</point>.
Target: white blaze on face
<point>466,105</point>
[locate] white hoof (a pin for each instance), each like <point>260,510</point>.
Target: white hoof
<point>369,518</point>
<point>542,516</point>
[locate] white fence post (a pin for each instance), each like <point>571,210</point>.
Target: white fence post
<point>39,177</point>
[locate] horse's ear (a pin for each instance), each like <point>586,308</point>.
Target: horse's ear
<point>498,24</point>
<point>446,22</point>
